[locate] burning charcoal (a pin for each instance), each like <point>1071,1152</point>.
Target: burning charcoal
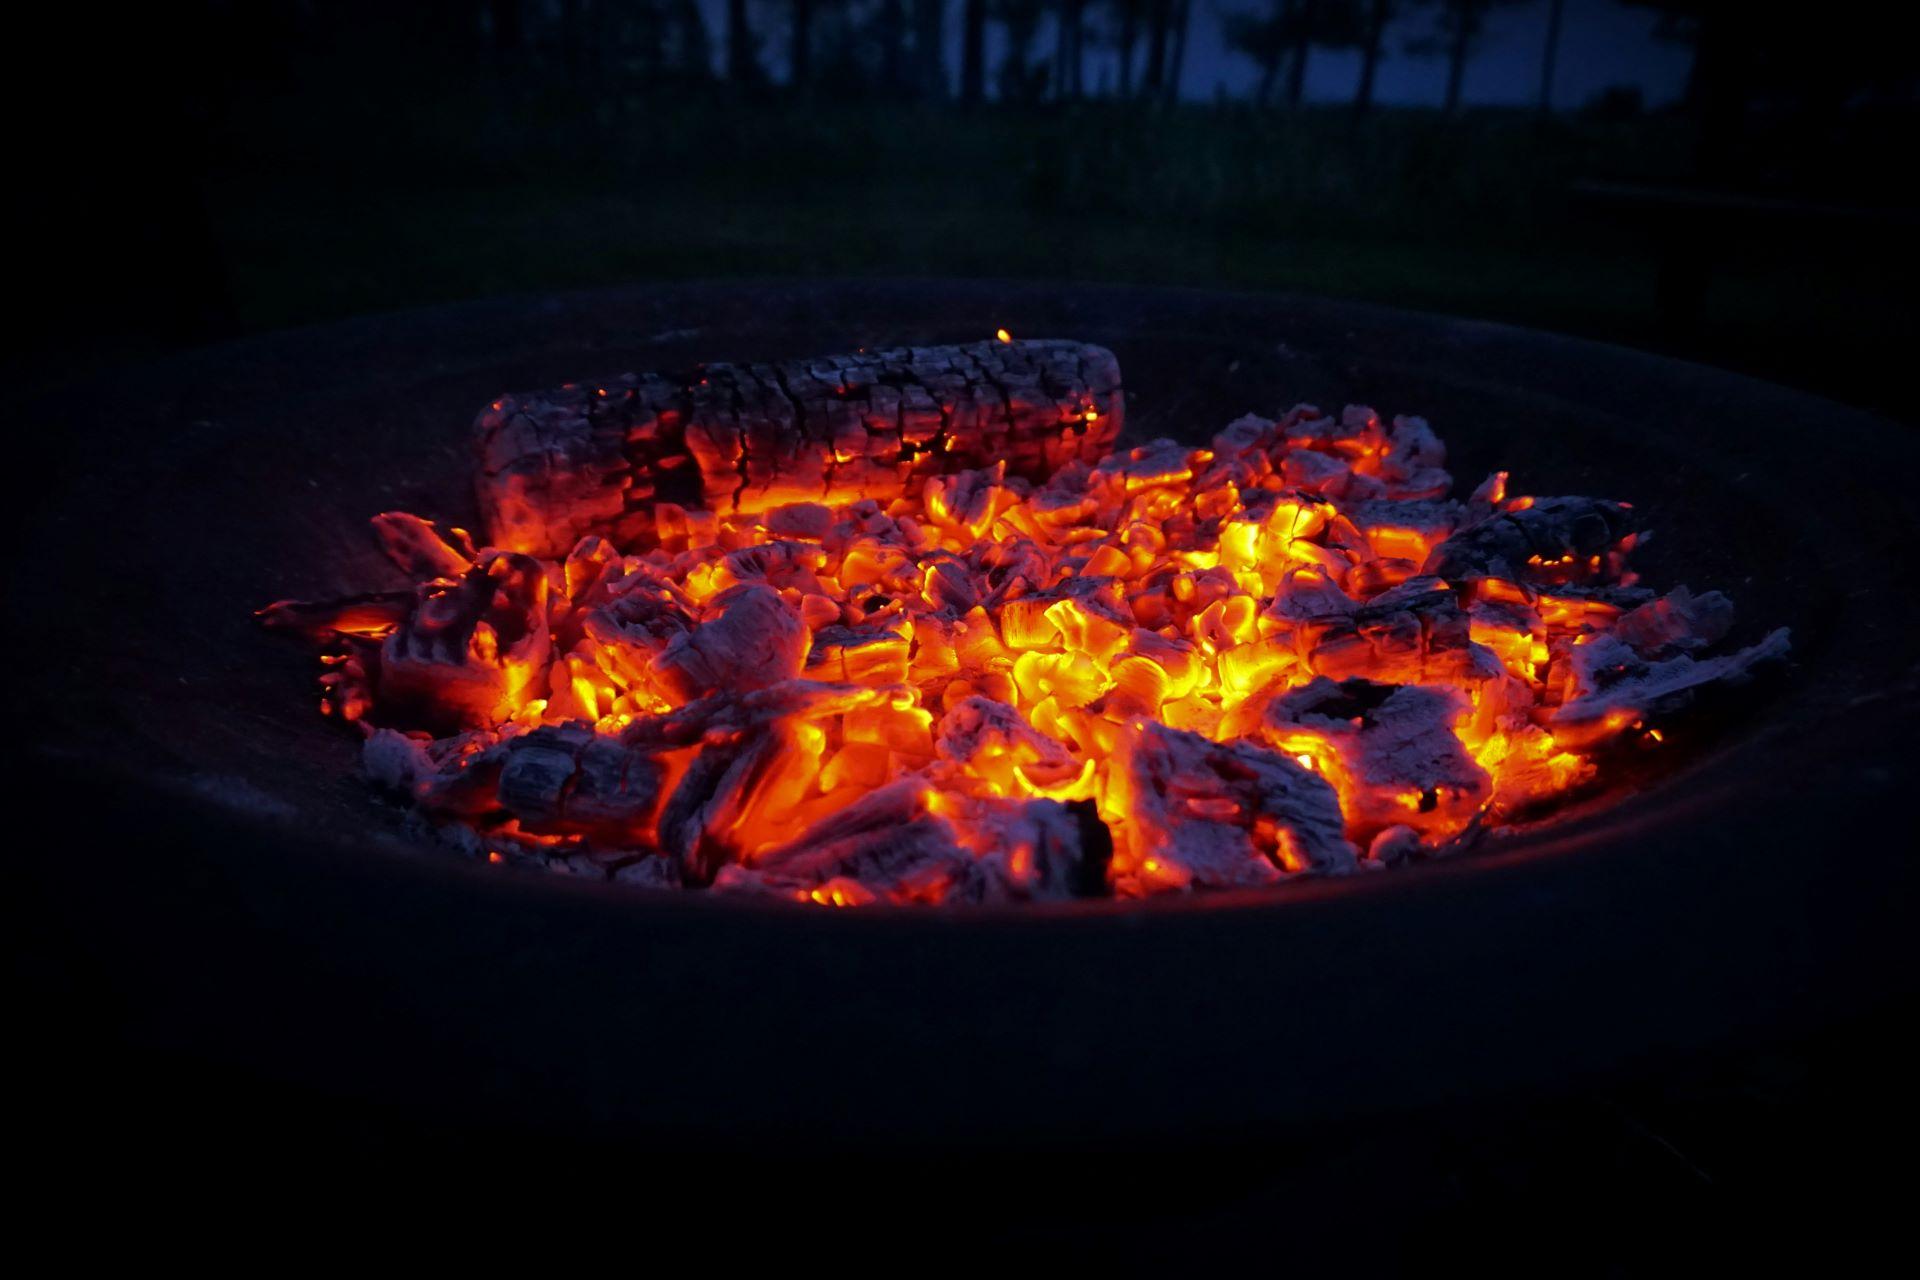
<point>874,654</point>
<point>1394,756</point>
<point>1550,540</point>
<point>374,613</point>
<point>1035,850</point>
<point>1405,530</point>
<point>1158,462</point>
<point>568,778</point>
<point>780,564</point>
<point>1393,846</point>
<point>750,639</point>
<point>698,826</point>
<point>639,617</point>
<point>1221,815</point>
<point>555,467</point>
<point>994,740</point>
<point>1614,687</point>
<point>888,841</point>
<point>1412,633</point>
<point>903,626</point>
<point>759,751</point>
<point>417,547</point>
<point>470,649</point>
<point>1679,622</point>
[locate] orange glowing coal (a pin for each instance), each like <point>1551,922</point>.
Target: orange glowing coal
<point>908,626</point>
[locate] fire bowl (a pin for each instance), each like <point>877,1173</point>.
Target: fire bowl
<point>223,891</point>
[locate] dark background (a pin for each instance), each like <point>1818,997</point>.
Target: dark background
<point>197,171</point>
<point>1735,192</point>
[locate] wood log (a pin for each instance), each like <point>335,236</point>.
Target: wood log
<point>557,466</point>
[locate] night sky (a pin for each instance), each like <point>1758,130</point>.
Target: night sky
<point>1603,43</point>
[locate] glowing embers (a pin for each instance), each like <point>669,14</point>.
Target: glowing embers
<point>1081,673</point>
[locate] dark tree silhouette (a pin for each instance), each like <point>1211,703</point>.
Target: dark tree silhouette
<point>1159,22</point>
<point>929,54</point>
<point>1550,55</point>
<point>1177,53</point>
<point>743,47</point>
<point>1285,34</point>
<point>693,46</point>
<point>973,52</point>
<point>800,44</point>
<point>1069,48</point>
<point>1457,28</point>
<point>890,26</point>
<point>1127,41</point>
<point>1378,14</point>
<point>1021,78</point>
<point>1262,38</point>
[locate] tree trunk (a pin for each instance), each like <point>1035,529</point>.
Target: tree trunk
<point>929,53</point>
<point>1159,18</point>
<point>893,44</point>
<point>1300,35</point>
<point>973,52</point>
<point>1269,72</point>
<point>1457,55</point>
<point>742,66</point>
<point>695,45</point>
<point>1177,56</point>
<point>800,48</point>
<point>1370,55</point>
<point>1129,37</point>
<point>1067,46</point>
<point>1556,9</point>
<point>1077,55</point>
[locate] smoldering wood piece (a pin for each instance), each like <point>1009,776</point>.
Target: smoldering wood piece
<point>743,737</point>
<point>630,621</point>
<point>1355,456</point>
<point>569,778</point>
<point>873,653</point>
<point>887,840</point>
<point>1411,633</point>
<point>1155,462</point>
<point>1036,850</point>
<point>1223,815</point>
<point>1549,530</point>
<point>1611,680</point>
<point>368,613</point>
<point>750,638</point>
<point>557,466</point>
<point>1395,742</point>
<point>1405,530</point>
<point>1678,622</point>
<point>697,824</point>
<point>419,549</point>
<point>470,648</point>
<point>729,713</point>
<point>781,563</point>
<point>977,728</point>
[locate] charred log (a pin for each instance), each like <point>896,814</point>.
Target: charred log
<point>557,466</point>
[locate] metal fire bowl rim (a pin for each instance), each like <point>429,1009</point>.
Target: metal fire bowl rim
<point>1763,881</point>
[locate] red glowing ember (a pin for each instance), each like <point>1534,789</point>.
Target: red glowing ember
<point>904,626</point>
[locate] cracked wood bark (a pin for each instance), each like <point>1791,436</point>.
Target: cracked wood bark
<point>556,466</point>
